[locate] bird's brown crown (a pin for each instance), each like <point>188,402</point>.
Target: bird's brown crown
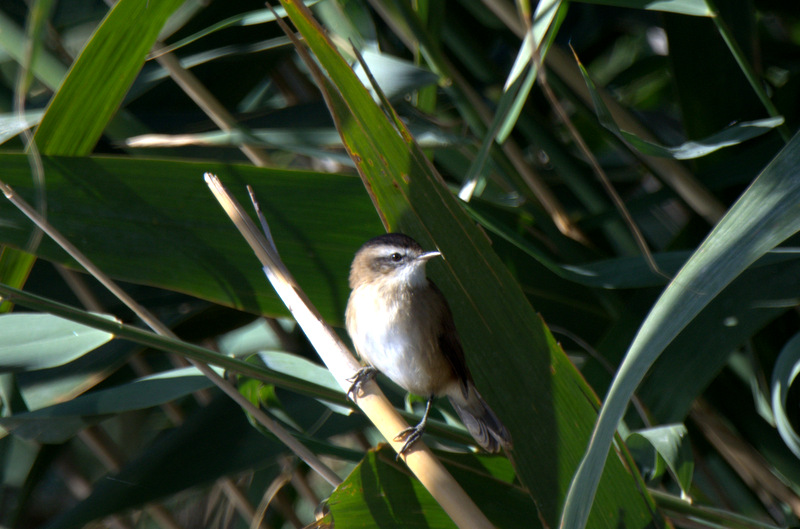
<point>382,256</point>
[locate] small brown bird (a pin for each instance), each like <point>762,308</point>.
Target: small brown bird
<point>401,325</point>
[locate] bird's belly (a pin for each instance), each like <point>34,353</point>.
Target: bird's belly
<point>408,356</point>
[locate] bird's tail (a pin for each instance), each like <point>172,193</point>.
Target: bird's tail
<point>480,420</point>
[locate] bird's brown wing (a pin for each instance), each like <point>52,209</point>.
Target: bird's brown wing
<point>450,343</point>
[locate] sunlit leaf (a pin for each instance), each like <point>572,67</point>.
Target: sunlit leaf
<point>13,124</point>
<point>396,77</point>
<point>41,341</point>
<point>303,369</point>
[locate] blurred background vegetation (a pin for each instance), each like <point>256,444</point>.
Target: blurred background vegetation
<point>110,118</point>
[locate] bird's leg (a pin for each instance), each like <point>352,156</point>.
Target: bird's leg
<point>411,434</point>
<point>363,375</point>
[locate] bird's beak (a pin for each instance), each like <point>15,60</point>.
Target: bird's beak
<point>428,255</point>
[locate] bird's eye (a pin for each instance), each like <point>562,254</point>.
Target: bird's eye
<point>396,257</point>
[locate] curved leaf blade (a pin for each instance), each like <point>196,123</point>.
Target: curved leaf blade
<point>763,217</point>
<point>669,444</point>
<point>783,375</point>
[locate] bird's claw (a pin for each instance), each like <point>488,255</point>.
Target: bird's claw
<point>363,375</point>
<point>410,435</point>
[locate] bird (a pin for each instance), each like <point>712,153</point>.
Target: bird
<point>401,325</point>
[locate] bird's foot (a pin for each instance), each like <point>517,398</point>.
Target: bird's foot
<point>410,435</point>
<point>363,375</point>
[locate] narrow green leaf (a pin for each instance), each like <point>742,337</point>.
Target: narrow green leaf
<point>707,516</point>
<point>543,19</point>
<point>56,424</point>
<point>515,93</point>
<point>13,124</point>
<point>763,217</point>
<point>733,135</point>
<point>40,341</point>
<point>73,122</point>
<point>250,18</point>
<point>153,72</point>
<point>698,8</point>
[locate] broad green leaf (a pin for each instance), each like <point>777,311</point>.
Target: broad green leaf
<point>41,341</point>
<point>379,494</point>
<point>154,222</point>
<point>763,217</point>
<point>492,314</point>
<point>698,8</point>
<point>108,64</point>
<point>783,375</point>
<point>667,445</point>
<point>733,135</point>
<point>56,424</point>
